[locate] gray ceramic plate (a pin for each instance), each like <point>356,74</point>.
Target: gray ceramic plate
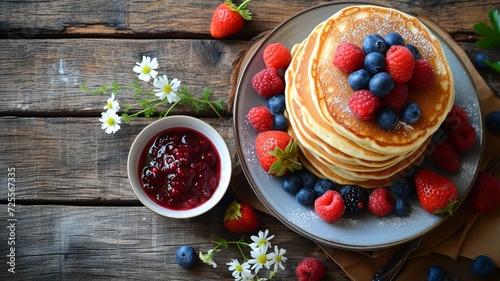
<point>364,232</point>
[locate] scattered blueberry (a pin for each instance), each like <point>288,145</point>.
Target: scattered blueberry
<point>374,43</point>
<point>410,113</point>
<point>401,207</point>
<point>308,179</point>
<point>483,266</point>
<point>322,186</point>
<point>291,183</point>
<point>355,199</point>
<point>403,187</point>
<point>479,60</point>
<point>387,119</point>
<point>493,121</point>
<point>381,84</point>
<point>280,122</point>
<point>276,104</point>
<point>359,79</point>
<point>414,50</point>
<point>305,196</point>
<point>394,38</point>
<point>185,256</point>
<point>436,273</point>
<point>375,62</point>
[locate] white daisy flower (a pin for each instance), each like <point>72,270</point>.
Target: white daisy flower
<point>110,121</point>
<point>167,89</point>
<point>262,240</point>
<point>240,271</point>
<point>112,103</point>
<point>259,259</point>
<point>146,68</point>
<point>277,258</point>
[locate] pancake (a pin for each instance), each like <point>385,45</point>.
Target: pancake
<point>336,144</point>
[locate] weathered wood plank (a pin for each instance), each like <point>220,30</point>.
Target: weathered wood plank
<point>60,159</point>
<point>28,19</point>
<point>133,243</point>
<point>43,76</point>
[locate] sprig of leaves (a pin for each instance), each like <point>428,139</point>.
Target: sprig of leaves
<point>491,39</point>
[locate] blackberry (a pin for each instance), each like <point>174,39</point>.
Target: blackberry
<point>355,199</point>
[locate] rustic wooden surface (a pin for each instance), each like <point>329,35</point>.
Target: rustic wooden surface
<point>77,215</point>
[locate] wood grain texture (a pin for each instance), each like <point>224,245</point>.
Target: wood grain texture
<point>110,243</point>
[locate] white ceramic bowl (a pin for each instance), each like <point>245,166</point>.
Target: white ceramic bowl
<point>178,121</point>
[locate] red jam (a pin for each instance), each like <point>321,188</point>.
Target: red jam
<point>183,169</point>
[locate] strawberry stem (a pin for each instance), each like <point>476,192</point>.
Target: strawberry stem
<point>241,9</point>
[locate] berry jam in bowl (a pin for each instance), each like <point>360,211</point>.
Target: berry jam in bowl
<point>179,166</point>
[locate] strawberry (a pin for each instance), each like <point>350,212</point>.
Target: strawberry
<point>268,83</point>
<point>463,138</point>
<point>310,269</point>
<point>261,118</point>
<point>277,56</point>
<point>399,63</point>
<point>277,152</point>
<point>348,57</point>
<point>396,99</point>
<point>329,206</point>
<point>380,202</point>
<point>437,194</point>
<point>240,218</point>
<point>228,19</point>
<point>484,195</point>
<point>445,157</point>
<point>423,75</point>
<point>364,104</point>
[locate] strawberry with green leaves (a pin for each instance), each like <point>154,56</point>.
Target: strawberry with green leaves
<point>277,152</point>
<point>437,194</point>
<point>228,19</point>
<point>240,218</point>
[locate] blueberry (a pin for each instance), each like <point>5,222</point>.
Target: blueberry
<point>493,121</point>
<point>394,38</point>
<point>436,273</point>
<point>322,186</point>
<point>414,50</point>
<point>308,179</point>
<point>410,113</point>
<point>375,62</point>
<point>374,43</point>
<point>403,187</point>
<point>401,207</point>
<point>359,79</point>
<point>185,256</point>
<point>381,84</point>
<point>305,196</point>
<point>276,104</point>
<point>387,119</point>
<point>280,122</point>
<point>291,183</point>
<point>483,266</point>
<point>479,60</point>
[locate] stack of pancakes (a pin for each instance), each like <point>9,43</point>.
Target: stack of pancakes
<point>333,142</point>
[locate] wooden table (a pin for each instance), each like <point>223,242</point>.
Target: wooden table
<point>76,216</point>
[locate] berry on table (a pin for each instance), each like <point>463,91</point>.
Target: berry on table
<point>374,62</point>
<point>359,79</point>
<point>310,269</point>
<point>436,273</point>
<point>276,103</point>
<point>397,98</point>
<point>403,187</point>
<point>329,206</point>
<point>322,186</point>
<point>240,217</point>
<point>355,199</point>
<point>380,202</point>
<point>483,266</point>
<point>305,196</point>
<point>387,119</point>
<point>276,55</point>
<point>348,57</point>
<point>410,113</point>
<point>423,75</point>
<point>394,38</point>
<point>374,43</point>
<point>267,83</point>
<point>401,207</point>
<point>364,104</point>
<point>291,183</point>
<point>399,63</point>
<point>261,118</point>
<point>480,59</point>
<point>493,121</point>
<point>381,84</point>
<point>185,256</point>
<point>484,195</point>
<point>228,19</point>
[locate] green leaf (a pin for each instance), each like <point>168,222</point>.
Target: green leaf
<point>491,38</point>
<point>493,65</point>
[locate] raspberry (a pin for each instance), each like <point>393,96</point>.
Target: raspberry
<point>423,75</point>
<point>277,56</point>
<point>348,57</point>
<point>463,138</point>
<point>329,206</point>
<point>397,98</point>
<point>455,117</point>
<point>355,199</point>
<point>484,195</point>
<point>267,83</point>
<point>261,118</point>
<point>310,269</point>
<point>364,104</point>
<point>445,157</point>
<point>399,63</point>
<point>380,202</point>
